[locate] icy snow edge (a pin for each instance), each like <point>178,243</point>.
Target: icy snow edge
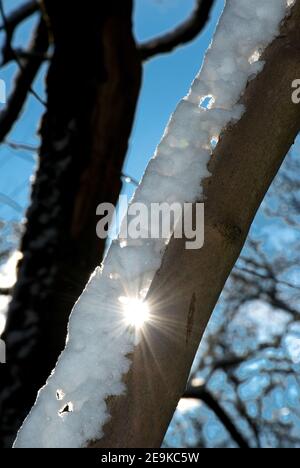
<point>95,359</point>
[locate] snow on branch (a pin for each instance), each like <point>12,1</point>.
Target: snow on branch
<point>183,34</point>
<point>71,410</point>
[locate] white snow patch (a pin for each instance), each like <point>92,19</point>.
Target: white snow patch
<point>8,271</point>
<point>292,344</point>
<point>4,302</point>
<point>99,341</point>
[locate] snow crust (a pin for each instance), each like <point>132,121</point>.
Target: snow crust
<point>71,409</point>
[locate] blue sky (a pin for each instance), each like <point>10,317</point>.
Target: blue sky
<point>166,80</point>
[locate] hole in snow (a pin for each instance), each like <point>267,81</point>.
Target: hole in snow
<point>68,408</point>
<point>214,141</point>
<point>255,57</point>
<point>207,102</point>
<point>136,312</point>
<point>60,395</point>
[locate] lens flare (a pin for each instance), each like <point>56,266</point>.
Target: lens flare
<point>136,312</point>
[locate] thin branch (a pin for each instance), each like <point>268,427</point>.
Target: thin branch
<point>266,277</point>
<point>10,23</point>
<point>10,202</point>
<point>201,393</point>
<point>24,82</point>
<point>20,14</point>
<point>5,291</point>
<point>14,56</point>
<point>25,54</point>
<point>130,180</point>
<point>183,34</point>
<point>21,146</point>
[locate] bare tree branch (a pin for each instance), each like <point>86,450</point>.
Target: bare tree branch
<point>11,22</point>
<point>130,180</point>
<point>262,276</point>
<point>201,393</point>
<point>24,81</point>
<point>5,291</point>
<point>184,33</point>
<point>25,54</point>
<point>20,14</point>
<point>10,202</point>
<point>21,146</point>
<point>12,54</point>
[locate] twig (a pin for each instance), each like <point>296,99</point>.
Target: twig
<point>5,291</point>
<point>184,33</point>
<point>130,180</point>
<point>25,54</point>
<point>21,146</point>
<point>10,23</point>
<point>10,52</point>
<point>24,82</point>
<point>10,202</point>
<point>266,277</point>
<point>201,393</point>
<point>20,14</point>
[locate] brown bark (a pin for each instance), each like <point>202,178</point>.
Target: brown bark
<point>243,166</point>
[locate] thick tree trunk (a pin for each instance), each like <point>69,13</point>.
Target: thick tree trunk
<point>187,287</point>
<point>92,85</point>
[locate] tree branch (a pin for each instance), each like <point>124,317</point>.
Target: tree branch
<point>24,80</point>
<point>201,393</point>
<point>20,14</point>
<point>185,290</point>
<point>21,146</point>
<point>129,180</point>
<point>184,33</point>
<point>5,291</point>
<point>11,22</point>
<point>10,202</point>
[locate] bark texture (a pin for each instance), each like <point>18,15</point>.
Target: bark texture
<point>92,87</point>
<point>189,283</point>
